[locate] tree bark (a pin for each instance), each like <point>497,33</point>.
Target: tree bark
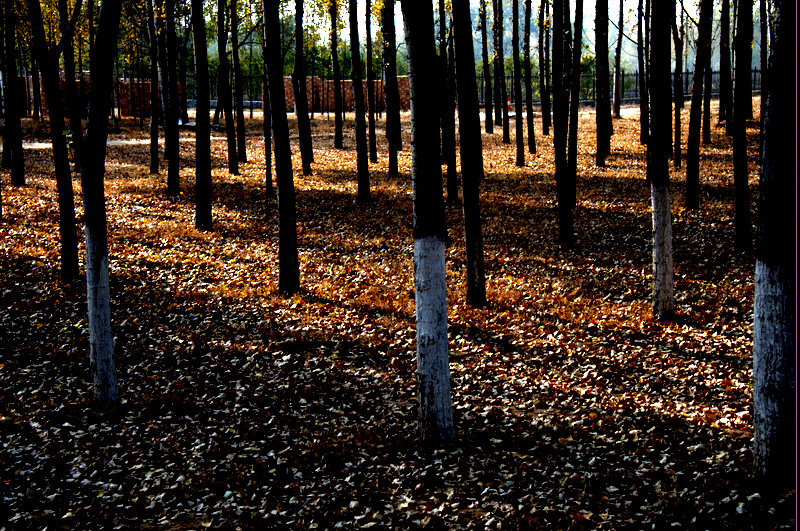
<point>497,60</point>
<point>238,83</point>
<point>171,146</point>
<point>641,49</point>
<point>338,135</point>
<point>725,110</point>
<point>677,88</point>
<point>529,79</point>
<point>742,111</point>
<point>469,125</point>
<point>203,219</point>
<point>288,263</point>
<point>447,109</point>
<point>518,120</point>
<point>707,103</point>
<point>155,101</point>
<point>574,101</point>
<point>658,147</point>
<point>101,339</point>
<point>372,140</point>
<point>603,114</point>
<point>501,66</point>
<point>224,88</point>
<point>362,164</point>
<point>775,309</point>
<point>561,67</point>
<point>48,62</point>
<point>267,128</point>
<point>488,108</point>
<point>703,49</point>
<point>393,133</point>
<point>433,370</point>
<point>74,111</point>
<point>619,90</point>
<point>11,122</point>
<point>300,93</point>
<point>544,62</point>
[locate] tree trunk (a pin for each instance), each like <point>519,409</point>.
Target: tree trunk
<point>677,88</point>
<point>501,69</point>
<point>529,78</point>
<point>775,311</point>
<point>707,103</point>
<point>48,62</point>
<point>603,114</point>
<point>155,104</point>
<point>433,370</point>
<point>574,101</point>
<point>74,111</point>
<point>561,61</point>
<point>288,263</point>
<point>725,110</point>
<point>37,91</point>
<point>101,339</point>
<point>238,83</point>
<point>703,48</point>
<point>12,102</point>
<point>641,49</point>
<point>267,128</point>
<point>372,140</point>
<point>619,90</point>
<point>362,164</point>
<point>203,188</point>
<point>338,141</point>
<point>171,146</point>
<point>742,111</point>
<point>763,57</point>
<point>544,74</point>
<point>518,119</point>
<point>224,88</point>
<point>488,108</point>
<point>300,93</point>
<point>658,147</point>
<point>447,110</point>
<point>393,133</point>
<point>469,125</point>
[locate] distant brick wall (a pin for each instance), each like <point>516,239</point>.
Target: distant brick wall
<point>320,94</point>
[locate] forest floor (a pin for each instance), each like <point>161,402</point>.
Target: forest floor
<point>242,408</point>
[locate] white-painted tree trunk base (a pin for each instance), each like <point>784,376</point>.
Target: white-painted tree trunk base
<point>663,294</point>
<point>101,340</point>
<point>774,372</point>
<point>433,369</point>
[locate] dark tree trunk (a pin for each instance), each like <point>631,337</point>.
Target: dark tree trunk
<point>48,61</point>
<point>574,101</point>
<point>37,91</point>
<point>224,88</point>
<point>529,79</point>
<point>101,339</point>
<point>603,114</point>
<point>12,102</point>
<point>393,133</point>
<point>288,263</point>
<point>561,67</point>
<point>775,308</point>
<point>300,93</point>
<point>619,90</point>
<point>658,148</point>
<point>171,145</point>
<point>725,111</point>
<point>501,69</point>
<point>707,103</point>
<point>447,110</point>
<point>469,125</point>
<point>238,83</point>
<point>763,57</point>
<point>517,80</point>
<point>488,108</point>
<point>267,126</point>
<point>373,142</point>
<point>203,219</point>
<point>74,111</point>
<point>362,164</point>
<point>155,101</point>
<point>497,32</point>
<point>433,371</point>
<point>742,109</point>
<point>677,88</point>
<point>544,61</point>
<point>338,138</point>
<point>703,48</point>
<point>641,49</point>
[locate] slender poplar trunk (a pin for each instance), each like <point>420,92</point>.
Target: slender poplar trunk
<point>447,110</point>
<point>529,79</point>
<point>501,69</point>
<point>203,188</point>
<point>393,133</point>
<point>574,101</point>
<point>725,110</point>
<point>488,108</point>
<point>677,89</point>
<point>641,49</point>
<point>707,103</point>
<point>372,140</point>
<point>703,48</point>
<point>224,87</point>
<point>155,105</point>
<point>619,90</point>
<point>12,102</point>
<point>172,147</point>
<point>561,67</point>
<point>603,110</point>
<point>518,119</point>
<point>742,111</point>
<point>338,135</point>
<point>301,94</point>
<point>238,83</point>
<point>73,98</point>
<point>362,164</point>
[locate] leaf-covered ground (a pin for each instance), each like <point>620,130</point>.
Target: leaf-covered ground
<point>242,408</point>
